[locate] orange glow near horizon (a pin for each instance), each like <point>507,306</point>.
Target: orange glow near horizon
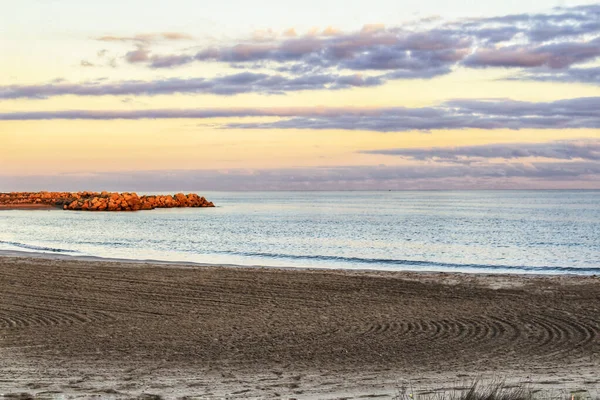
<point>75,54</point>
<point>42,147</point>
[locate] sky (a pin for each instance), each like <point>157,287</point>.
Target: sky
<point>313,95</point>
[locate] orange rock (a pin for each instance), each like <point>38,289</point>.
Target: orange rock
<point>103,201</point>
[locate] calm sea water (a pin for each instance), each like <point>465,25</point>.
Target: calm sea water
<point>471,231</point>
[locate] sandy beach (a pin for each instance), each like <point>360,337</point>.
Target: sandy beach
<point>78,328</point>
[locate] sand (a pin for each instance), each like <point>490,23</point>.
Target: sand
<point>117,330</point>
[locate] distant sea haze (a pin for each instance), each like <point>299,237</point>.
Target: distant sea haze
<point>547,232</point>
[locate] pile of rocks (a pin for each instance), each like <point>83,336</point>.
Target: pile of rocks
<point>104,201</point>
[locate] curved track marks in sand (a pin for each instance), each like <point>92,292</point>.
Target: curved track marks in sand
<point>262,317</point>
<point>38,318</point>
<point>540,335</point>
<point>551,335</point>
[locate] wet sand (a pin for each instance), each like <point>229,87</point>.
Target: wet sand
<point>115,329</point>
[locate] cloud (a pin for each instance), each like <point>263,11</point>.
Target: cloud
<point>186,114</point>
<point>584,149</point>
<point>557,39</point>
<point>374,48</point>
<point>168,61</point>
<point>141,54</point>
<point>85,63</point>
<point>455,114</point>
<point>147,37</point>
<point>331,31</point>
<point>176,36</point>
<point>486,175</point>
<point>545,47</point>
<point>554,56</point>
<point>558,24</point>
<point>244,82</point>
<point>589,75</point>
<point>291,32</point>
<point>142,42</point>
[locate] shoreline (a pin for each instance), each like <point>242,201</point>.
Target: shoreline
<point>131,327</point>
<point>193,264</point>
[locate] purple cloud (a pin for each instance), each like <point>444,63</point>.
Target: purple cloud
<point>141,54</point>
<point>369,49</point>
<point>554,56</point>
<point>549,45</point>
<point>405,177</point>
<point>455,114</point>
<point>589,75</point>
<point>557,39</point>
<point>244,82</point>
<point>584,149</point>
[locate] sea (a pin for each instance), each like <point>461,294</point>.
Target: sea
<point>541,232</point>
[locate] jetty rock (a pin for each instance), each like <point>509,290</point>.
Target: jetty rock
<point>100,201</point>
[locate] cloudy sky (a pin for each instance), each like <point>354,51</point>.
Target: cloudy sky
<point>313,95</point>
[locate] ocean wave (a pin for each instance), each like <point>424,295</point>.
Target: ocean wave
<point>360,261</point>
<point>38,248</point>
<point>420,263</point>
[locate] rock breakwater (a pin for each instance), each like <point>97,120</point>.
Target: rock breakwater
<point>100,201</point>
